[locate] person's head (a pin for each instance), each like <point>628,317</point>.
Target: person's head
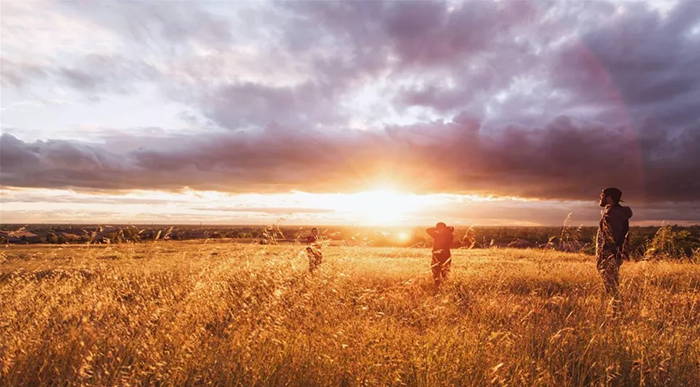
<point>440,226</point>
<point>610,196</point>
<point>314,231</point>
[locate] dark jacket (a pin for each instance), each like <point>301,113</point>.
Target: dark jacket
<point>613,233</point>
<point>442,241</point>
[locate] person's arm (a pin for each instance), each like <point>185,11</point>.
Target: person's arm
<point>432,231</point>
<point>618,228</point>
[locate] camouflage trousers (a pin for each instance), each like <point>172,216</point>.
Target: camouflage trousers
<point>315,257</point>
<point>440,268</point>
<point>609,268</point>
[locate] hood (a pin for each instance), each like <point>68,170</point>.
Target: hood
<point>624,210</point>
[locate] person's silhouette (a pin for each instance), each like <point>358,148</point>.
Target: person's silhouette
<point>612,239</point>
<point>313,250</point>
<point>442,257</point>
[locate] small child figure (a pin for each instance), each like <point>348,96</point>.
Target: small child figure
<point>313,250</point>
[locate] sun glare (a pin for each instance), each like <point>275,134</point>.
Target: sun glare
<point>379,207</point>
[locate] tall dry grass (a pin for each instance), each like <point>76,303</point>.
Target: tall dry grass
<point>180,313</point>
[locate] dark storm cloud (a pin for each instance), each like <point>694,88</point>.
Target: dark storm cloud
<point>641,62</point>
<point>418,33</point>
<point>344,46</point>
<point>424,43</point>
<point>399,41</point>
<point>564,159</point>
<point>653,62</point>
<point>549,100</point>
<point>497,59</point>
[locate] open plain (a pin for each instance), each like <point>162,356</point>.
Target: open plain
<point>194,313</point>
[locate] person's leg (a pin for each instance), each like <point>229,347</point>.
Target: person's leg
<point>610,273</point>
<point>446,267</point>
<point>614,278</point>
<point>614,274</point>
<point>318,258</point>
<point>312,259</point>
<point>614,285</point>
<point>436,269</point>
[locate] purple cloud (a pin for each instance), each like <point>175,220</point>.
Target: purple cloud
<point>548,100</point>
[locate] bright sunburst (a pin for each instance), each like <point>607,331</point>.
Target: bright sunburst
<point>382,207</point>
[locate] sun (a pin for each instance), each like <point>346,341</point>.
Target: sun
<point>381,207</point>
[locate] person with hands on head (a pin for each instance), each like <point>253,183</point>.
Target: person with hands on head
<point>442,257</point>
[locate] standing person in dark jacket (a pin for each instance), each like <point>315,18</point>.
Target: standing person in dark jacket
<point>612,239</point>
<point>442,258</point>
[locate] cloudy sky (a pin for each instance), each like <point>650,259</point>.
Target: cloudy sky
<point>473,112</point>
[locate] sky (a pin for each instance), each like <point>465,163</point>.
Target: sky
<point>364,112</point>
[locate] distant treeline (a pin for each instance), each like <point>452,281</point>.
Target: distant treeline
<point>644,241</point>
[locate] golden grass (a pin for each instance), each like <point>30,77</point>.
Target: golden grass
<point>188,313</point>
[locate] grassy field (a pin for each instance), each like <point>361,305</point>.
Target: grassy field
<point>194,313</point>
